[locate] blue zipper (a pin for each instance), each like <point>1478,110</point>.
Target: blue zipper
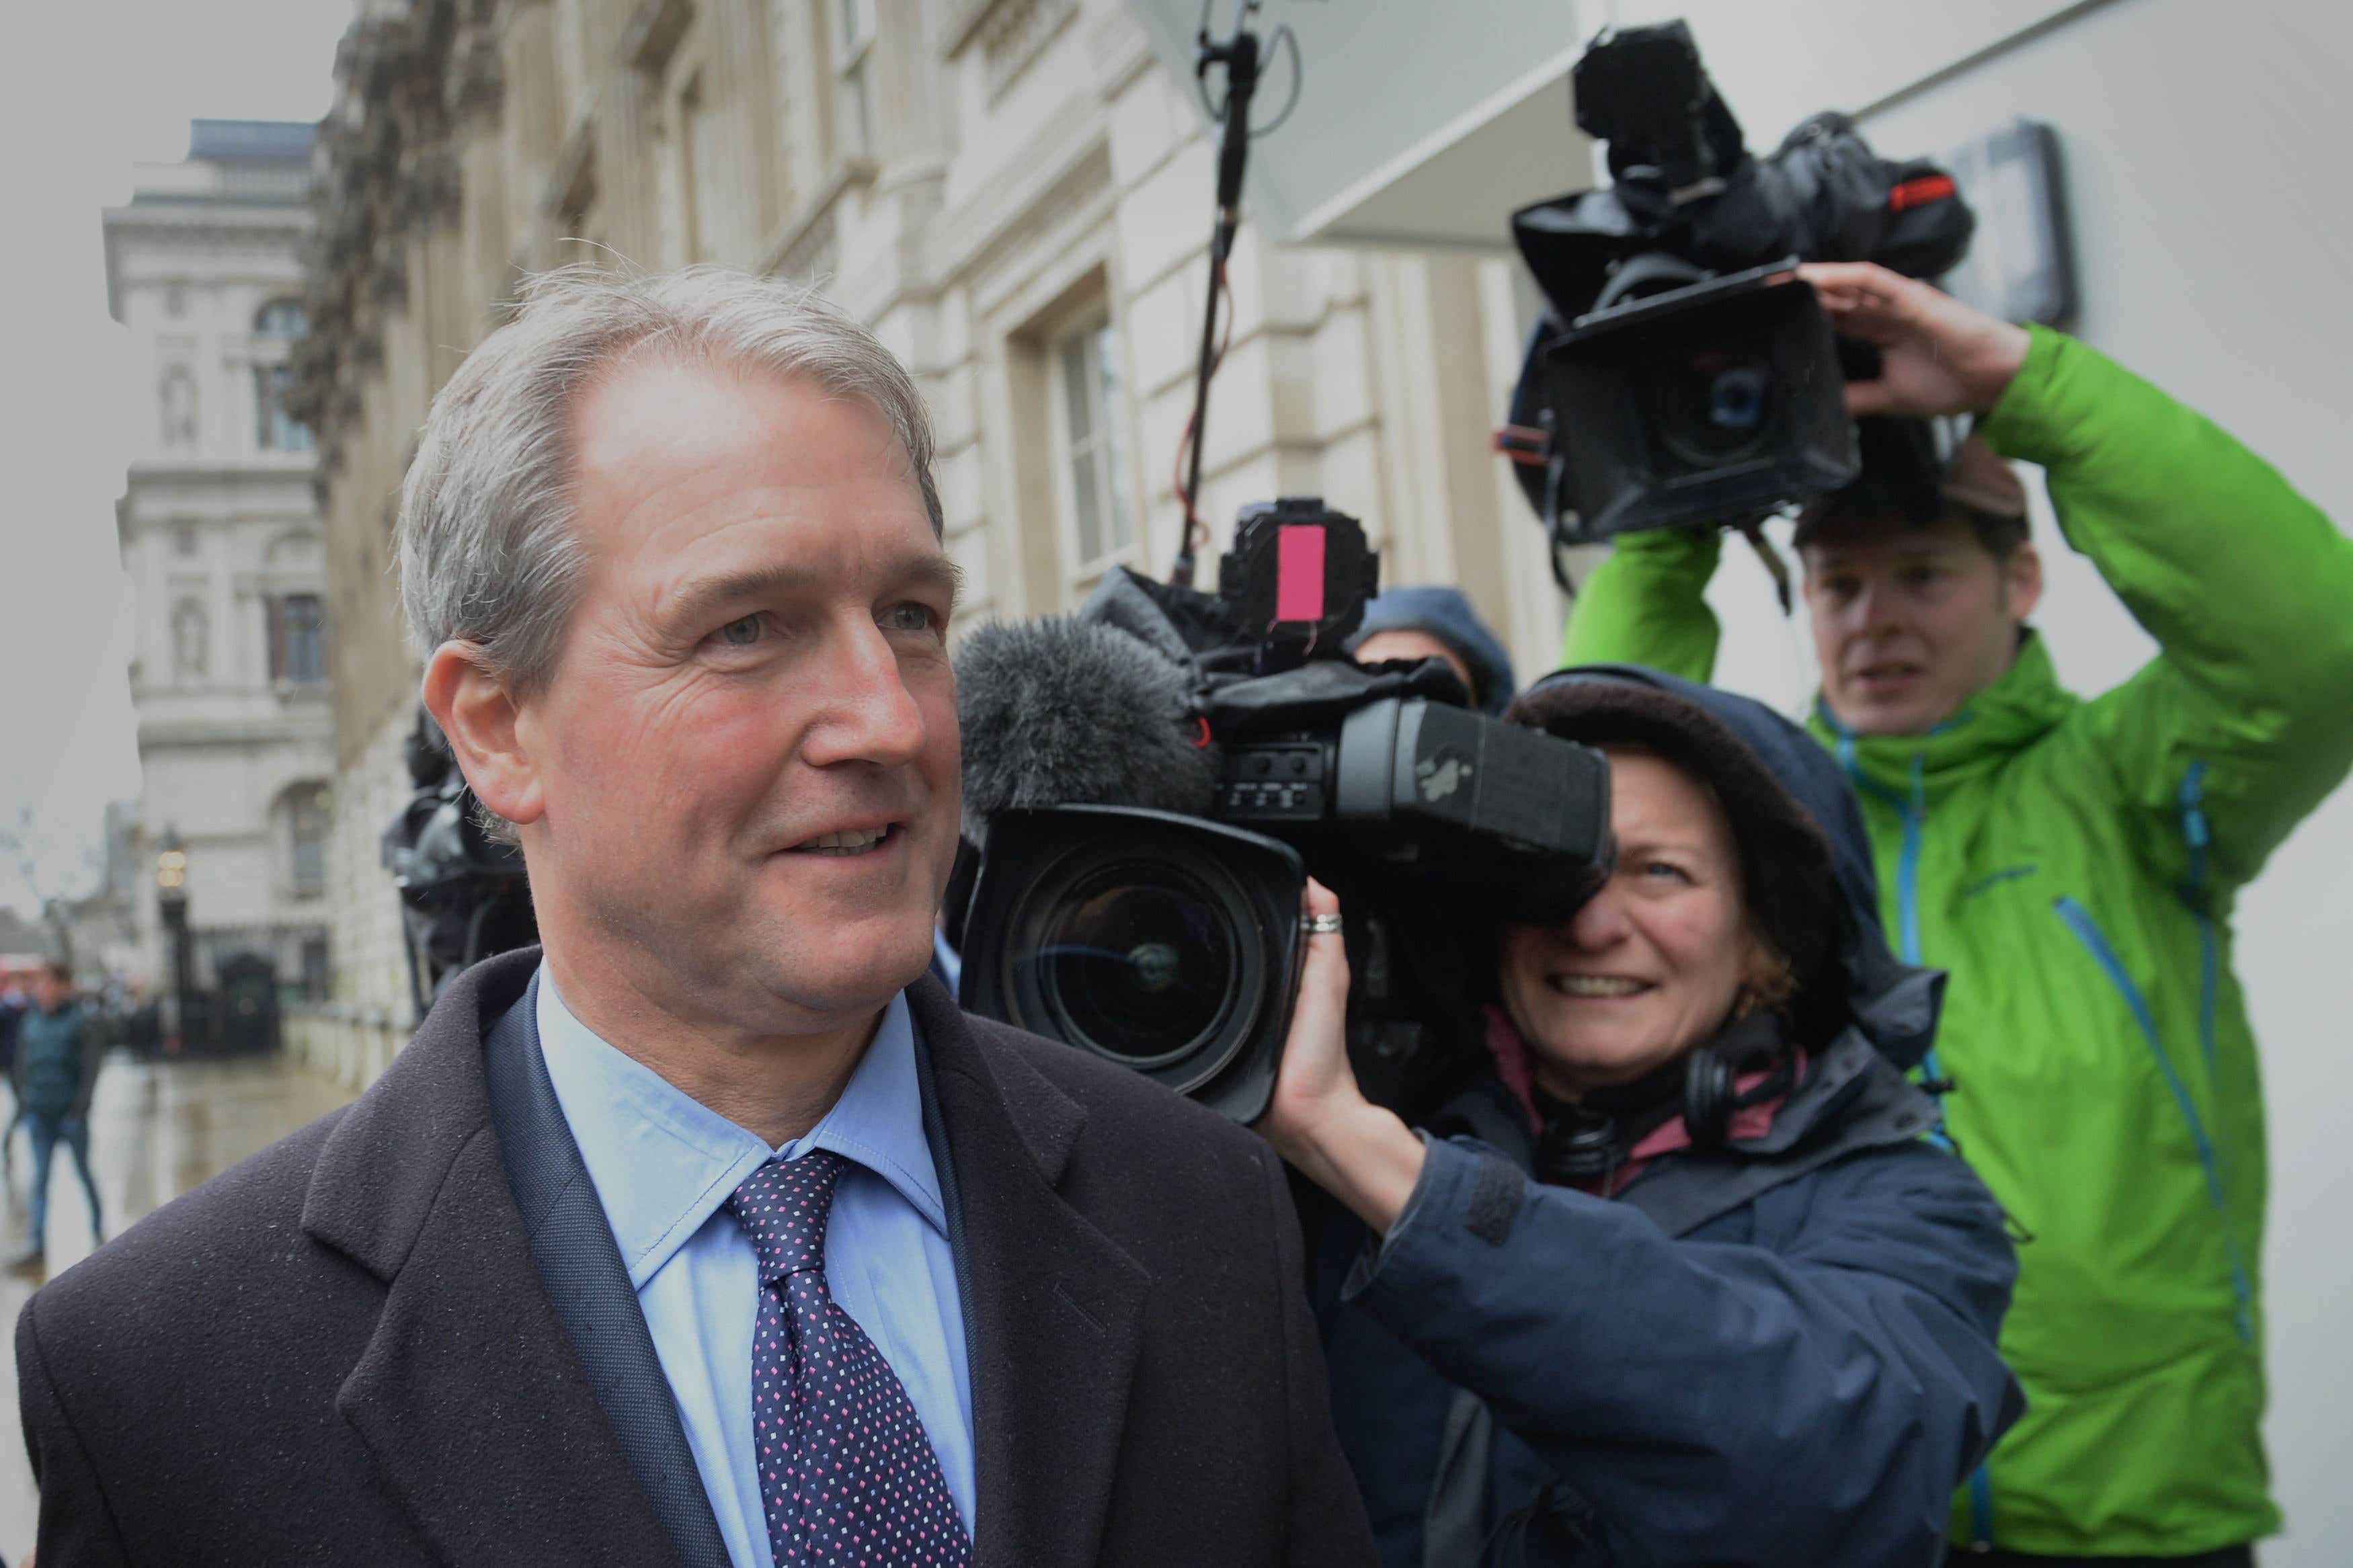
<point>2095,942</point>
<point>2196,836</point>
<point>1913,813</point>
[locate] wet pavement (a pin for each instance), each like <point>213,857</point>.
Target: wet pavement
<point>157,1129</point>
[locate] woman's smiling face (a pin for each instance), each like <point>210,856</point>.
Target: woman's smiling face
<point>1651,966</point>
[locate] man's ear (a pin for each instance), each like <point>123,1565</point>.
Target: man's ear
<point>2021,581</point>
<point>477,711</point>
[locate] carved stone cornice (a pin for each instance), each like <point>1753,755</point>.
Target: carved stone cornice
<point>429,190</point>
<point>653,30</point>
<point>388,169</point>
<point>572,184</point>
<point>804,244</point>
<point>1010,33</point>
<point>478,89</point>
<point>963,20</point>
<point>387,278</point>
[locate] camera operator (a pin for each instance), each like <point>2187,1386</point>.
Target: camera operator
<point>2073,864</point>
<point>1693,1288</point>
<point>1437,622</point>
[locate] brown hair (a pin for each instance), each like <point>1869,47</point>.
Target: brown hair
<point>1999,537</point>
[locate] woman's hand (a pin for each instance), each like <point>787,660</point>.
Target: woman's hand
<point>1319,1118</point>
<point>1941,356</point>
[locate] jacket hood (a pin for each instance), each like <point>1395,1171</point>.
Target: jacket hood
<point>1894,1004</point>
<point>1447,615</point>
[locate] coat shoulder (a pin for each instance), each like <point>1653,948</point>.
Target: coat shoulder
<point>1140,1149</point>
<point>216,1250</point>
<point>1122,1104</point>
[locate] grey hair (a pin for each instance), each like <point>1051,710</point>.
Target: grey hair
<point>488,554</point>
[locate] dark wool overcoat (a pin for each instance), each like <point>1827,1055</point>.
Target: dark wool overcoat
<point>347,1349</point>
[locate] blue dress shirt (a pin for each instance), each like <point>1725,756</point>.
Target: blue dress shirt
<point>664,1164</point>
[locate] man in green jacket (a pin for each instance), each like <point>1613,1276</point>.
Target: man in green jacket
<point>2074,865</point>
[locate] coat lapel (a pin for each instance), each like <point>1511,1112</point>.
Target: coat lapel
<point>588,1284</point>
<point>1055,1307</point>
<point>470,1395</point>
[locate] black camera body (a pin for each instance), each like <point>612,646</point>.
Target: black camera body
<point>463,897</point>
<point>1168,941</point>
<point>1683,373</point>
<point>1722,399</point>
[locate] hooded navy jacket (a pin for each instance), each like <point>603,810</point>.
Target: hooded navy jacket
<point>1445,615</point>
<point>1779,1353</point>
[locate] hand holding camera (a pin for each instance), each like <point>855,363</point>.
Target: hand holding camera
<point>1937,355</point>
<point>1319,1118</point>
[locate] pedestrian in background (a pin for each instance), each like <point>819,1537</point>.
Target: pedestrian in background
<point>57,1071</point>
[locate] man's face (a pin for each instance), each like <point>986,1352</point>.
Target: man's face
<point>1910,623</point>
<point>748,753</point>
<point>49,993</point>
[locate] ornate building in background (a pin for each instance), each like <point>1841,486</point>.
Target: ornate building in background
<point>223,544</point>
<point>1012,192</point>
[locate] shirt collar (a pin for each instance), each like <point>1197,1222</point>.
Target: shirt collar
<point>664,1162</point>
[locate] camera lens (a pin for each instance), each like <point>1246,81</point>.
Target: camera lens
<point>1166,945</point>
<point>1709,404</point>
<point>1138,962</point>
<point>1738,399</point>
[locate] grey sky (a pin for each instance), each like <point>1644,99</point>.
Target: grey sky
<point>86,90</point>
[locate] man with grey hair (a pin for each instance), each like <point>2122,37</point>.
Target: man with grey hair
<point>713,1233</point>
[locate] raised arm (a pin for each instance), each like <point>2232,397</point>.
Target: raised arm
<point>2246,713</point>
<point>1647,604</point>
<point>2245,720</point>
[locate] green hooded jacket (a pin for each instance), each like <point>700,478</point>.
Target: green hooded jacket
<point>2074,865</point>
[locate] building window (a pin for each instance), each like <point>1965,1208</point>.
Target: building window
<point>1087,394</point>
<point>317,977</point>
<point>298,639</point>
<point>178,397</point>
<point>853,52</point>
<point>183,538</point>
<point>191,638</point>
<point>306,826</point>
<point>275,430</point>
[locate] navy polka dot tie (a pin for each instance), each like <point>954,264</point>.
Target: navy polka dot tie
<point>847,1475</point>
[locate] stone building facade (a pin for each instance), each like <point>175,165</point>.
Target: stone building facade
<point>1012,192</point>
<point>223,544</point>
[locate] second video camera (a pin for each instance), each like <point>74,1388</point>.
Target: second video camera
<point>1684,373</point>
<point>1154,780</point>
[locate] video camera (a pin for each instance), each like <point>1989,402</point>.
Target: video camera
<point>1684,373</point>
<point>1153,781</point>
<point>463,897</point>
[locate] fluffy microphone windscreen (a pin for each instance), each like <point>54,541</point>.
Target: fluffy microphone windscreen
<point>1061,712</point>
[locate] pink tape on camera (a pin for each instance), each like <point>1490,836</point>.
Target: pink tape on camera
<point>1299,574</point>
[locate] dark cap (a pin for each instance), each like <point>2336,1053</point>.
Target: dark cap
<point>1977,479</point>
